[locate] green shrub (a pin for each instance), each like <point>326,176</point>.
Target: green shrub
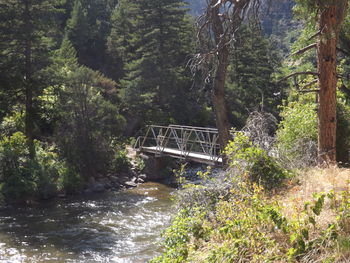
<point>71,181</point>
<point>255,163</point>
<point>297,134</point>
<point>250,227</point>
<point>120,161</point>
<point>186,225</point>
<point>2,197</point>
<point>23,178</point>
<point>12,123</point>
<point>49,170</point>
<point>16,168</point>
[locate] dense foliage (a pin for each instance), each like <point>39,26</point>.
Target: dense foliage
<point>297,133</point>
<point>156,38</point>
<point>258,166</point>
<point>238,221</point>
<point>253,88</point>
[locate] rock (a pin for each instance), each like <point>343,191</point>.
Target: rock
<point>130,184</point>
<point>61,195</point>
<point>97,187</point>
<point>144,156</point>
<point>142,176</point>
<point>106,182</point>
<point>123,179</point>
<point>92,181</point>
<point>109,186</point>
<point>140,180</point>
<point>99,176</point>
<point>115,180</point>
<point>87,191</point>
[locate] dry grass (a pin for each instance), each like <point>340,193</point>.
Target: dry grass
<point>316,180</point>
<point>310,182</point>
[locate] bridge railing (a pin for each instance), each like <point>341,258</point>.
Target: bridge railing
<point>186,139</point>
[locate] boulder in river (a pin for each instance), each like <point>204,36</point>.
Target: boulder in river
<point>97,187</point>
<point>115,180</point>
<point>130,184</point>
<point>106,182</point>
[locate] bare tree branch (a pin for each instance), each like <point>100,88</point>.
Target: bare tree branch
<point>298,73</point>
<point>316,34</point>
<point>309,84</point>
<point>309,90</point>
<point>303,50</point>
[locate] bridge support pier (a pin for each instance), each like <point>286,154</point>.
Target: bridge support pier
<point>155,167</point>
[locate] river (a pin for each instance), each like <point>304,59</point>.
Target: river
<point>118,226</point>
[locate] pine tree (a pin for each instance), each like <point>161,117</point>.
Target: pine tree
<point>86,114</point>
<point>88,28</point>
<point>250,79</point>
<point>329,16</point>
<point>120,45</point>
<point>26,31</point>
<point>156,84</point>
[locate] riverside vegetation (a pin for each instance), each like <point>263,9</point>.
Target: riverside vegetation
<point>259,211</point>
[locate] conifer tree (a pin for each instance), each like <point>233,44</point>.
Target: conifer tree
<point>26,31</point>
<point>251,88</point>
<point>329,16</point>
<point>88,28</point>
<point>120,45</point>
<point>156,84</point>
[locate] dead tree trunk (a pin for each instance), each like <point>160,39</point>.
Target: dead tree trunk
<point>216,34</point>
<point>330,21</point>
<point>219,101</point>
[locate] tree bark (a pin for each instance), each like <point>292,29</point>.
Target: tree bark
<point>330,20</point>
<point>29,124</point>
<point>219,103</point>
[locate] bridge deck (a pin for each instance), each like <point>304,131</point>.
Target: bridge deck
<point>191,156</point>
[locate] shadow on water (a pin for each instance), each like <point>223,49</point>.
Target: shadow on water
<point>122,226</point>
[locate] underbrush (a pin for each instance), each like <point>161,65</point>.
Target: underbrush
<point>23,178</point>
<point>238,217</point>
<point>46,175</point>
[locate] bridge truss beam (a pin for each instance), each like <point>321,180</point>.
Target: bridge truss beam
<point>197,144</point>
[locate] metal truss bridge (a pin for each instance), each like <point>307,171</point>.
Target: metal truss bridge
<point>197,144</point>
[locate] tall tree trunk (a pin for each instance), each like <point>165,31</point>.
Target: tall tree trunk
<point>330,21</point>
<point>219,102</point>
<point>29,125</point>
